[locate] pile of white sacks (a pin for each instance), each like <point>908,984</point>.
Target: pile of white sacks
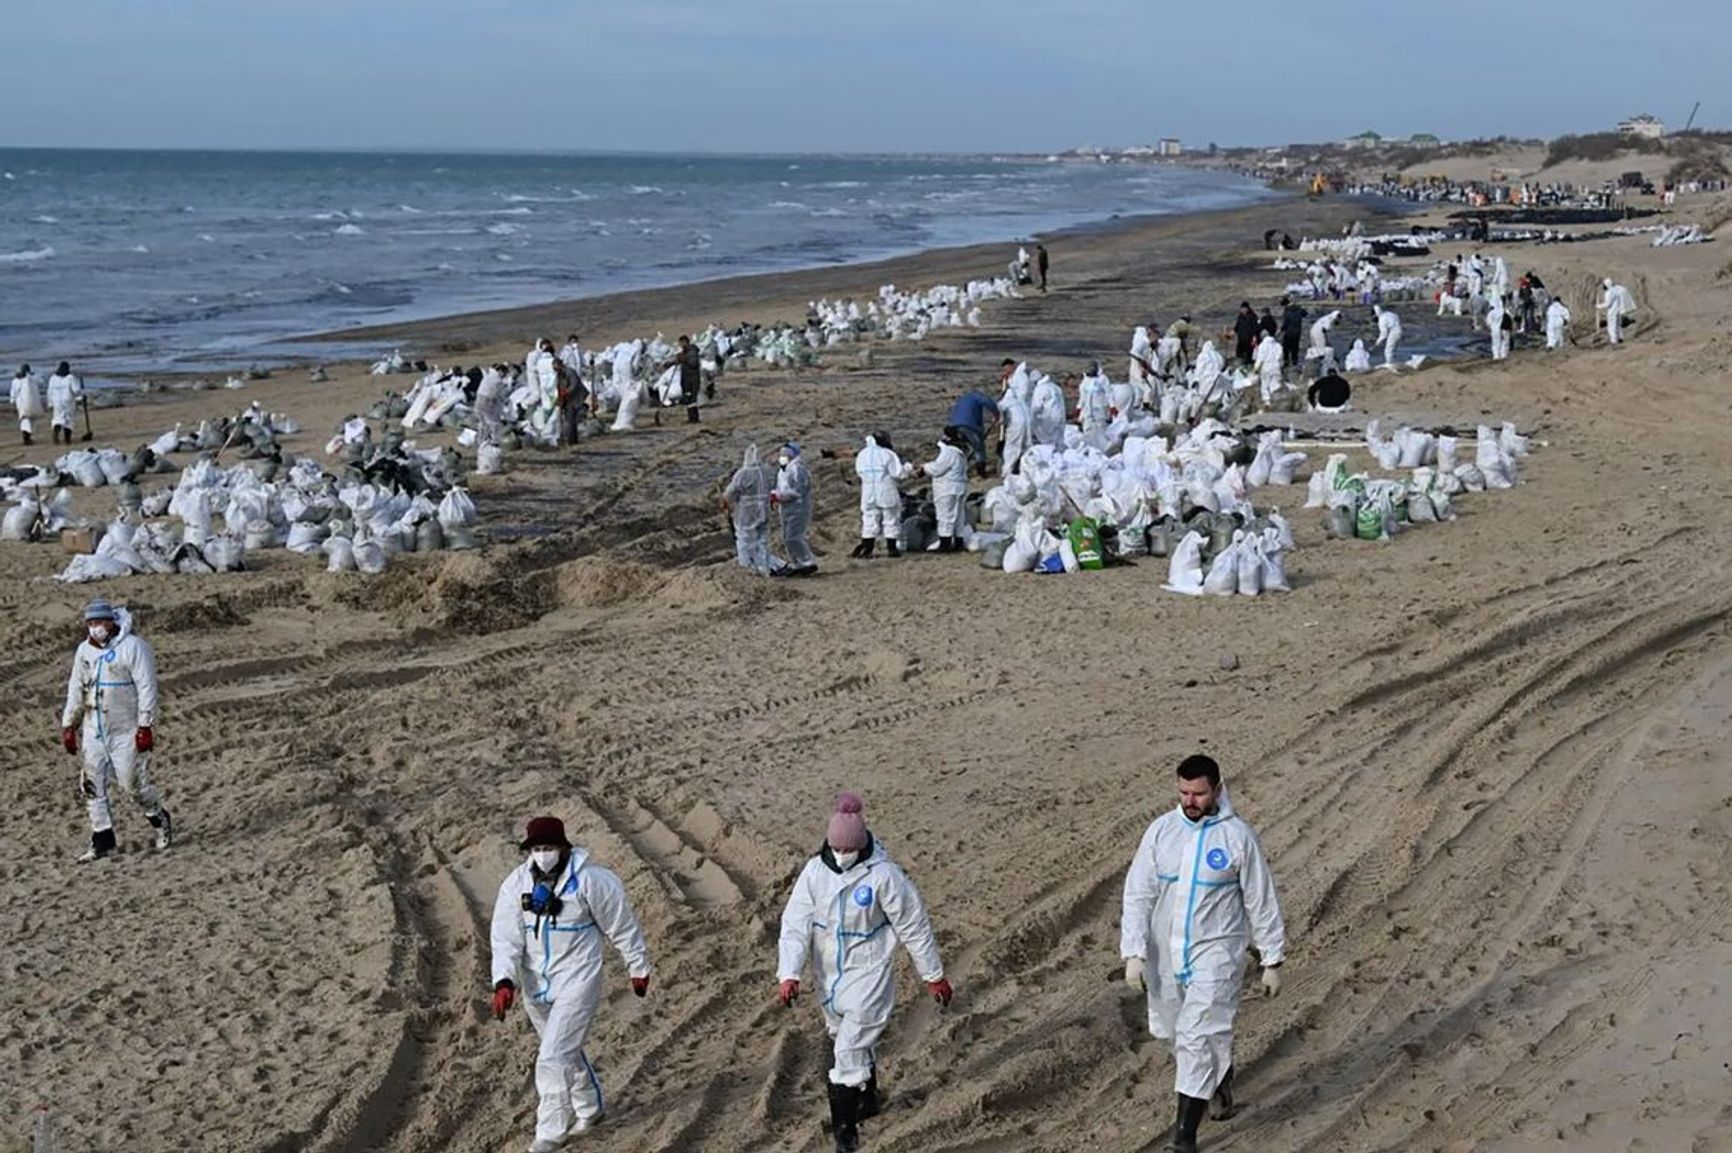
<point>1363,507</point>
<point>214,517</point>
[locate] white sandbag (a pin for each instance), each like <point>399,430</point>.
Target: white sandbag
<point>20,522</point>
<point>1185,567</point>
<point>457,508</point>
<point>1416,447</point>
<point>1472,480</point>
<point>1223,577</point>
<point>1512,442</point>
<point>224,553</point>
<point>1446,455</point>
<point>340,552</point>
<point>306,538</point>
<point>1497,469</point>
<point>113,465</point>
<point>86,470</point>
<point>1267,447</point>
<point>1285,465</point>
<point>369,557</point>
<point>87,567</point>
<point>195,516</point>
<point>156,503</point>
<point>1317,491</point>
<point>1283,530</point>
<point>1420,510</point>
<point>489,460</point>
<point>1250,568</point>
<point>260,534</point>
<point>1274,563</point>
<point>459,537</point>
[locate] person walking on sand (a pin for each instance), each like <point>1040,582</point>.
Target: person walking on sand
<point>850,906</point>
<point>1616,303</point>
<point>65,394</point>
<point>1198,892</point>
<point>27,403</point>
<point>1292,330</point>
<point>1557,324</point>
<point>110,716</point>
<point>1040,264</point>
<point>549,920</point>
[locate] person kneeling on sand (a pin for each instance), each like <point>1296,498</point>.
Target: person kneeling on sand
<point>549,920</point>
<point>850,905</point>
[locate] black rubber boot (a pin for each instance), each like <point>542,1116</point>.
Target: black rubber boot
<point>870,1106</point>
<point>957,545</point>
<point>946,544</point>
<point>1191,1110</point>
<point>27,440</point>
<point>102,845</point>
<point>845,1117</point>
<point>863,550</point>
<point>1221,1106</point>
<point>692,415</point>
<point>891,545</point>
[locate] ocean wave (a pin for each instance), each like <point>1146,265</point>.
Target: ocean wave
<point>839,184</point>
<point>503,229</point>
<point>793,205</point>
<point>28,256</point>
<point>645,190</point>
<point>141,249</point>
<point>437,232</point>
<point>45,219</point>
<point>351,230</point>
<point>577,197</point>
<point>828,212</point>
<point>209,239</point>
<point>409,209</point>
<point>337,215</point>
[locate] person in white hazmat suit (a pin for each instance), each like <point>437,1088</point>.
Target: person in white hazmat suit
<point>747,498</point>
<point>1047,412</point>
<point>1094,408</point>
<point>1320,329</point>
<point>793,500</point>
<point>549,921</point>
<point>110,715</point>
<point>1388,333</point>
<point>27,403</point>
<point>879,468</point>
<point>1017,435</point>
<point>850,906</point>
<point>1142,363</point>
<point>1494,325</point>
<point>65,391</point>
<point>1557,324</point>
<point>1616,303</point>
<point>1198,891</point>
<point>1269,359</point>
<point>949,473</point>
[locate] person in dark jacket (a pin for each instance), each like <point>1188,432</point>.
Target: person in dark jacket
<point>691,376</point>
<point>1040,263</point>
<point>1292,329</point>
<point>1245,332</point>
<point>1268,325</point>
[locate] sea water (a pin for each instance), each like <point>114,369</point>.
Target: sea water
<point>138,262</point>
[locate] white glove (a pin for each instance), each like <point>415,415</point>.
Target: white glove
<point>1271,980</point>
<point>1134,975</point>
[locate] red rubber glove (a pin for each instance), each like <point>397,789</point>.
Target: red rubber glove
<point>144,740</point>
<point>69,739</point>
<point>774,499</point>
<point>504,995</point>
<point>789,991</point>
<point>941,991</point>
<point>640,986</point>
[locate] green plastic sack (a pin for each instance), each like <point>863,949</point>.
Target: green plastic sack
<point>1370,521</point>
<point>1085,541</point>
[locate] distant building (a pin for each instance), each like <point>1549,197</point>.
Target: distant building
<point>1363,140</point>
<point>1644,126</point>
<point>1167,146</point>
<point>1424,140</point>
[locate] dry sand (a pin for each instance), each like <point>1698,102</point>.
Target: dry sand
<point>1487,760</point>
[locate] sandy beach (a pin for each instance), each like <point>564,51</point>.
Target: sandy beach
<point>1485,759</point>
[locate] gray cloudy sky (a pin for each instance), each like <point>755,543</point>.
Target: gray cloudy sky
<point>856,75</point>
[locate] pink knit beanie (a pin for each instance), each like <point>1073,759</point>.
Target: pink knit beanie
<point>847,831</point>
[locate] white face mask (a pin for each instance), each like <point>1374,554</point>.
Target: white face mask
<point>99,634</point>
<point>545,860</point>
<point>846,860</point>
<point>783,461</point>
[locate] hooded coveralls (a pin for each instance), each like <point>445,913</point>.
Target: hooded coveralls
<point>556,965</point>
<point>1196,894</point>
<point>748,495</point>
<point>949,473</point>
<point>113,691</point>
<point>794,503</point>
<point>848,922</point>
<point>880,500</point>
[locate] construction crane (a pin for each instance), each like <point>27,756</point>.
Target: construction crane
<point>1692,119</point>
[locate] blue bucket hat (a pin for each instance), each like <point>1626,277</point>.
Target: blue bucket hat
<point>99,610</point>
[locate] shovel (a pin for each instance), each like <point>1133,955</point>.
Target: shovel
<point>84,403</point>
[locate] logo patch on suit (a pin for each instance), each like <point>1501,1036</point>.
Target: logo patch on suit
<point>1217,858</point>
<point>863,896</point>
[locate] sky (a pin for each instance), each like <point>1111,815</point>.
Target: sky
<point>841,75</point>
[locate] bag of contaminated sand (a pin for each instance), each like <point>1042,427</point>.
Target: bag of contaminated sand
<point>340,552</point>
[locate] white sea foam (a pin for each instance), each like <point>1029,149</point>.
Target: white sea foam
<point>351,230</point>
<point>28,256</point>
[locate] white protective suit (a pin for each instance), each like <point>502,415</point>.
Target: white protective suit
<point>112,690</point>
<point>1616,303</point>
<point>1013,411</point>
<point>27,402</point>
<point>1557,320</point>
<point>880,500</point>
<point>1142,359</point>
<point>847,922</point>
<point>63,394</point>
<point>1094,404</point>
<point>1358,359</point>
<point>1047,412</point>
<point>794,503</point>
<point>1320,335</point>
<point>1268,361</point>
<point>748,497</point>
<point>1207,372</point>
<point>1197,893</point>
<point>949,473</point>
<point>556,965</point>
<point>1494,324</point>
<point>1388,334</point>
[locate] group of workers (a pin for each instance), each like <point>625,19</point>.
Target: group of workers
<point>64,394</point>
<point>1198,897</point>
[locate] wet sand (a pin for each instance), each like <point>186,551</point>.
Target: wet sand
<point>1485,759</point>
